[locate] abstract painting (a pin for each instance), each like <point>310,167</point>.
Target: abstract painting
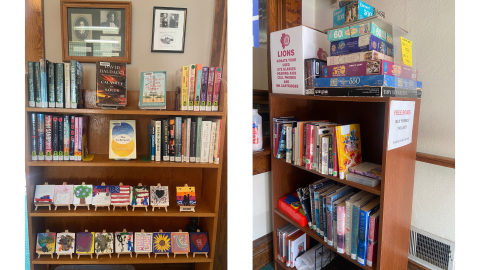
<point>65,243</point>
<point>162,242</point>
<point>101,195</point>
<point>180,242</point>
<point>143,242</point>
<point>123,242</point>
<point>84,242</point>
<point>44,193</point>
<point>186,196</point>
<point>199,242</point>
<point>139,195</point>
<point>45,242</point>
<point>159,196</point>
<point>63,194</point>
<point>120,195</point>
<point>82,194</point>
<point>103,242</point>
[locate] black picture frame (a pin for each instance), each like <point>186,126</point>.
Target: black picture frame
<point>165,29</point>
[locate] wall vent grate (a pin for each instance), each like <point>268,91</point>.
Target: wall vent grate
<point>430,250</point>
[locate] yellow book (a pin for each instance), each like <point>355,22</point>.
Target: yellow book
<point>349,147</point>
<point>122,143</point>
<point>185,77</point>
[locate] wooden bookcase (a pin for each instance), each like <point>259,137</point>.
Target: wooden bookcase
<point>206,178</point>
<point>398,169</point>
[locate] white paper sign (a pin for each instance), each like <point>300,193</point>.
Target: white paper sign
<point>401,123</point>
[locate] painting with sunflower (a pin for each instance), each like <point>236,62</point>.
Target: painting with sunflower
<point>162,242</point>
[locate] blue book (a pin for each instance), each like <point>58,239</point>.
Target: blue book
<point>41,136</point>
<point>43,83</point>
<point>323,208</point>
<point>151,141</point>
<point>315,186</point>
<point>329,202</point>
<point>73,84</point>
<point>363,229</point>
<point>282,143</point>
<point>370,80</point>
<point>317,211</point>
<point>355,222</point>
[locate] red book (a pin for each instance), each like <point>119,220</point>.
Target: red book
<point>372,239</point>
<point>211,79</point>
<point>216,88</point>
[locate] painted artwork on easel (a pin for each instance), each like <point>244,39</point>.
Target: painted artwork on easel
<point>120,195</point>
<point>45,242</point>
<point>65,243</point>
<point>63,194</point>
<point>143,242</point>
<point>44,193</point>
<point>186,196</point>
<point>199,242</point>
<point>159,195</point>
<point>180,242</point>
<point>103,242</point>
<point>162,242</point>
<point>101,195</point>
<point>84,242</point>
<point>82,194</point>
<point>123,242</point>
<point>139,195</point>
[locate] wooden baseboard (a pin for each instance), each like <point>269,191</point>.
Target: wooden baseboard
<point>262,251</point>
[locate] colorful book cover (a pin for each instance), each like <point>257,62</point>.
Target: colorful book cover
<point>341,228</point>
<point>85,242</point>
<point>153,90</point>
<point>198,151</point>
<point>111,84</point>
<point>211,81</point>
<point>43,83</point>
<point>199,242</point>
<point>216,89</point>
<point>79,134</point>
<point>204,86</point>
<point>171,139</point>
<point>184,87</point>
<point>45,243</point>
<point>139,195</point>
<point>178,139</point>
<point>59,86</point>
<point>330,154</point>
<point>349,147</point>
<point>312,187</point>
<point>79,85</point>
<point>55,145</point>
<point>37,84</point>
<point>48,138</point>
<point>363,229</point>
<point>372,238</point>
<point>72,138</point>
<point>120,195</point>
<point>66,77</point>
<point>321,207</point>
<point>355,222</point>
<point>348,219</point>
<point>180,242</point>
<point>41,136</point>
<point>122,139</point>
<point>325,143</point>
<point>335,217</point>
<point>162,242</point>
<point>33,136</point>
<point>123,242</point>
<point>191,87</point>
<point>198,86</point>
<point>73,85</point>
<point>31,85</point>
<point>60,137</point>
<point>330,216</point>
<point>367,169</point>
<point>186,196</point>
<point>51,84</point>
<point>165,140</point>
<point>143,242</point>
<point>304,197</point>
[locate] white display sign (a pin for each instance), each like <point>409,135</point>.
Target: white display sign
<point>401,123</point>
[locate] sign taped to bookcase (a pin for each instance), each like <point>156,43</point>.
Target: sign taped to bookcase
<point>401,123</point>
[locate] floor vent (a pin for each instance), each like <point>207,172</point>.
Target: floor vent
<point>431,251</point>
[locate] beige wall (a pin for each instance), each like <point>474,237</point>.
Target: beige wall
<point>260,69</point>
<point>198,40</point>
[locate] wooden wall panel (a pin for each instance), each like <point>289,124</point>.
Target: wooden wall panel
<point>293,13</point>
<point>34,31</point>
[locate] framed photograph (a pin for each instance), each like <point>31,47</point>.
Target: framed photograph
<point>168,30</point>
<point>96,31</point>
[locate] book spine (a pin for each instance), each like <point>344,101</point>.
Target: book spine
<point>66,68</point>
<point>171,139</point>
<point>48,137</point>
<point>294,153</point>
<point>151,140</point>
<point>301,197</point>
<point>66,138</point>
<point>60,137</point>
<point>330,154</point>
<point>178,139</point>
<point>206,130</point>
<point>362,237</point>
<point>164,132</point>
<point>325,144</point>
<point>218,136</point>
<point>341,229</point>
<point>79,85</point>
<point>310,147</point>
<point>78,132</point>
<point>33,135</point>
<point>37,84</point>
<point>158,140</point>
<point>198,151</point>
<point>204,87</point>
<point>43,84</point>
<point>354,240</point>
<point>41,136</point>
<point>281,142</point>
<point>198,86</point>
<point>183,139</point>
<point>191,87</point>
<point>193,141</point>
<point>51,84</point>
<point>288,132</point>
<point>335,154</point>
<point>72,138</point>
<point>372,241</point>
<point>59,86</point>
<point>83,144</point>
<point>73,84</point>
<point>211,80</point>
<point>348,225</point>
<point>55,138</point>
<point>216,89</point>
<point>325,222</point>
<point>317,211</point>
<point>212,142</point>
<point>329,221</point>
<point>31,84</point>
<point>187,139</point>
<point>334,224</point>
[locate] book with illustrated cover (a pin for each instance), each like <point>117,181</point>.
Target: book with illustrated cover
<point>198,86</point>
<point>165,141</point>
<point>60,137</point>
<point>66,77</point>
<point>31,84</point>
<point>329,207</point>
<point>43,83</point>
<point>33,136</point>
<point>312,187</point>
<point>191,87</point>
<point>51,84</point>
<point>364,221</point>
<point>216,89</point>
<point>55,145</point>
<point>122,139</point>
<point>335,217</point>
<point>41,136</point>
<point>184,88</point>
<point>304,197</point>
<point>48,138</point>
<point>211,81</point>
<point>178,139</point>
<point>349,148</point>
<point>76,84</point>
<point>76,153</point>
<point>72,138</point>
<point>153,90</point>
<point>59,86</point>
<point>204,87</point>
<point>37,85</point>
<point>171,139</point>
<point>367,169</point>
<point>111,84</point>
<point>66,138</point>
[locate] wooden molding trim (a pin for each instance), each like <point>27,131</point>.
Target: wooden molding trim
<point>436,160</point>
<point>262,251</point>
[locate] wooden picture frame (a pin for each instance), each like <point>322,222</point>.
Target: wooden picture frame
<point>166,26</point>
<point>98,9</point>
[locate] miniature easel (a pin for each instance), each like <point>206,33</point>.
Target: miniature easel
<point>128,252</point>
<point>87,205</point>
<point>147,253</point>
<point>109,254</point>
<point>91,254</point>
<point>105,205</point>
<point>47,253</point>
<point>121,205</point>
<point>200,253</point>
<point>179,253</point>
<point>60,254</point>
<point>56,205</point>
<point>189,208</point>
<point>159,206</point>
<point>168,256</point>
<point>49,204</point>
<point>143,206</point>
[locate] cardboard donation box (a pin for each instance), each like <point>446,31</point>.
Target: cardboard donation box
<point>289,48</point>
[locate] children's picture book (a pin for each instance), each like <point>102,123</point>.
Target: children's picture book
<point>143,242</point>
<point>180,242</point>
<point>84,242</point>
<point>162,242</point>
<point>120,195</point>
<point>123,242</point>
<point>153,90</point>
<point>199,242</point>
<point>367,169</point>
<point>45,243</point>
<point>122,143</point>
<point>101,195</point>
<point>186,196</point>
<point>139,195</point>
<point>103,242</point>
<point>63,194</point>
<point>111,84</point>
<point>349,148</point>
<point>82,194</point>
<point>65,243</point>
<point>44,193</point>
<point>159,196</point>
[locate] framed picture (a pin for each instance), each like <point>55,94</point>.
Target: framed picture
<point>96,31</point>
<point>168,30</point>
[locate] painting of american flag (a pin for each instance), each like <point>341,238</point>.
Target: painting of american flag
<point>139,195</point>
<point>120,194</point>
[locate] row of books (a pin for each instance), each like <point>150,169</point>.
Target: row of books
<point>291,243</point>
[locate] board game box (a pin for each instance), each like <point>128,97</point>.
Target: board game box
<point>378,91</point>
<point>372,80</point>
<point>360,44</point>
<point>375,67</point>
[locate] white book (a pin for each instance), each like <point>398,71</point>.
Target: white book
<point>157,125</point>
<point>212,142</point>
<point>348,218</point>
<point>187,136</point>
<point>289,144</point>
<point>66,68</point>
<point>206,129</point>
<point>216,152</point>
<point>191,87</point>
<point>325,141</point>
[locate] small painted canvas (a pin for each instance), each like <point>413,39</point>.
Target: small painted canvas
<point>159,196</point>
<point>65,243</point>
<point>45,242</point>
<point>103,242</point>
<point>199,242</point>
<point>84,242</point>
<point>139,195</point>
<point>82,194</point>
<point>63,194</point>
<point>186,196</point>
<point>44,193</point>
<point>120,195</point>
<point>162,242</point>
<point>180,242</point>
<point>123,242</point>
<point>101,195</point>
<point>143,242</point>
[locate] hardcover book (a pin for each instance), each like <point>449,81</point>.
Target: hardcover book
<point>178,139</point>
<point>51,84</point>
<point>198,150</point>
<point>31,84</point>
<point>171,139</point>
<point>184,87</point>
<point>59,85</point>
<point>211,81</point>
<point>43,83</point>
<point>203,94</point>
<point>72,138</point>
<point>151,142</point>
<point>312,187</point>
<point>349,147</point>
<point>41,136</point>
<point>206,136</point>
<point>55,145</point>
<point>165,140</point>
<point>198,86</point>
<point>348,218</point>
<point>33,136</point>
<point>48,138</point>
<point>66,68</point>
<point>193,140</point>
<point>122,142</point>
<point>60,137</point>
<point>372,238</point>
<point>111,84</point>
<point>156,124</point>
<point>191,87</point>
<point>37,84</point>
<point>364,220</point>
<point>153,90</point>
<point>355,222</point>
<point>216,88</point>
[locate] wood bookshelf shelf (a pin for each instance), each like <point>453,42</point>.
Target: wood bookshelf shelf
<point>122,112</point>
<point>124,259</point>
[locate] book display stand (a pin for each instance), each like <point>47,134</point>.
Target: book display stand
<point>109,254</point>
<point>128,252</point>
<point>141,205</point>
<point>159,206</point>
<point>87,254</point>
<point>65,254</point>
<point>49,253</point>
<point>188,208</point>
<point>200,253</point>
<point>56,205</point>
<point>179,253</point>
<point>49,204</point>
<point>121,205</point>
<point>87,204</point>
<point>141,253</point>
<point>168,255</point>
<point>105,205</point>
